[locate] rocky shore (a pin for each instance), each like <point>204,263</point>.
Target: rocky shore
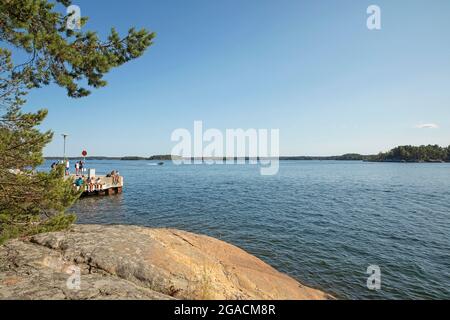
<point>130,262</point>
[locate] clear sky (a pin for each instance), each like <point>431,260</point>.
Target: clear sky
<point>310,68</point>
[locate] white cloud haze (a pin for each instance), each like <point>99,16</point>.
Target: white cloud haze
<point>427,126</point>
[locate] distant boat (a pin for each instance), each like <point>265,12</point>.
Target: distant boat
<point>155,164</point>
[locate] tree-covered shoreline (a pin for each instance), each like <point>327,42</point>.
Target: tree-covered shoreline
<point>408,153</point>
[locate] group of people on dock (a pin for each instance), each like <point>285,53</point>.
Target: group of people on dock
<point>115,176</point>
<point>87,183</point>
<point>65,163</point>
<point>90,184</point>
<point>79,166</point>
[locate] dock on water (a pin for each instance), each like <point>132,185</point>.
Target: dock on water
<point>98,184</point>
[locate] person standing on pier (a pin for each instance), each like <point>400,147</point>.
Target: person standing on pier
<point>67,167</point>
<point>77,168</point>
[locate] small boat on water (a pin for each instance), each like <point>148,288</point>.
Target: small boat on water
<point>155,164</point>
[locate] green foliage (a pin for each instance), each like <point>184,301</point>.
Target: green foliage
<point>33,225</point>
<point>57,54</point>
<point>32,202</point>
<point>429,153</point>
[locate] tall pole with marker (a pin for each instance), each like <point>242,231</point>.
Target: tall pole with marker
<point>64,153</point>
<point>84,154</point>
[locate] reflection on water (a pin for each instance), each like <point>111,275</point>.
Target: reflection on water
<point>112,209</point>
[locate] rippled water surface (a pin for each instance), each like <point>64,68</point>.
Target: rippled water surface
<point>321,222</point>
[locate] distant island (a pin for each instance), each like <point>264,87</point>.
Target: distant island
<point>428,153</point>
<point>156,157</point>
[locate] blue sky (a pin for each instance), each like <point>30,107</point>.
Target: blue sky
<point>310,68</point>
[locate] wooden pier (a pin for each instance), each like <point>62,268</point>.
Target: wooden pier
<point>102,185</point>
